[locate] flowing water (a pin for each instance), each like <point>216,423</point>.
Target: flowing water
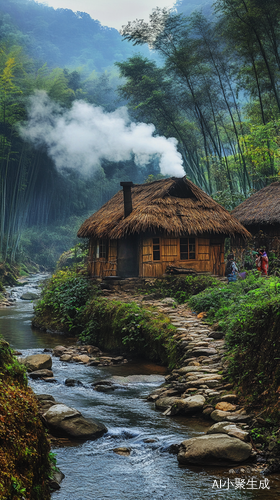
<point>93,470</point>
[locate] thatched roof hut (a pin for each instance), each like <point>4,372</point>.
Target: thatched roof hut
<point>261,209</point>
<point>260,214</point>
<point>174,206</point>
<point>170,222</point>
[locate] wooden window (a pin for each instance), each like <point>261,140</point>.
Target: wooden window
<point>100,250</point>
<point>187,248</point>
<point>156,249</point>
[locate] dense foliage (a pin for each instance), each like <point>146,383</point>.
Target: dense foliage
<point>24,456</point>
<point>248,313</point>
<point>64,300</point>
<point>218,91</point>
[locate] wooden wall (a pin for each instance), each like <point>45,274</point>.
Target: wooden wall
<point>209,256</point>
<point>103,267</point>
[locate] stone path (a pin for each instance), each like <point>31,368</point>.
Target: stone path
<point>201,366</point>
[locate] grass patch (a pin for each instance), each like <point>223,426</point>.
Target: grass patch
<point>181,288</point>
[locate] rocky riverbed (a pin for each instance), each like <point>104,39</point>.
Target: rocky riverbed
<point>195,388</point>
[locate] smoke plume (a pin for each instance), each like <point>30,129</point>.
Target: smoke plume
<point>80,137</point>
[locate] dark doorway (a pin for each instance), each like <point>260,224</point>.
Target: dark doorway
<point>128,265</point>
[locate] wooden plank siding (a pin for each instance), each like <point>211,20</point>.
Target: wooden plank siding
<point>206,260</point>
<point>209,257</point>
<point>103,267</point>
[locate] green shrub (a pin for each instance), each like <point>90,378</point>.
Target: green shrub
<point>182,288</point>
<point>63,302</point>
<point>249,313</point>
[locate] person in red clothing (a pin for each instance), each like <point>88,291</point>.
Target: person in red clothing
<point>262,262</point>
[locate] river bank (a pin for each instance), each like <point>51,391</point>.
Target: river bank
<point>120,410</point>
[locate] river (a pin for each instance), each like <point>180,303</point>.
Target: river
<point>93,471</point>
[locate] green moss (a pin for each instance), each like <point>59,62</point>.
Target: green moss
<point>24,461</point>
<point>70,303</point>
<point>117,325</point>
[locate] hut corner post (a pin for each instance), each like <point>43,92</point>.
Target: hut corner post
<point>127,197</point>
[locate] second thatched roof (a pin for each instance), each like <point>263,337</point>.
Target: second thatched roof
<point>261,208</point>
<point>174,206</point>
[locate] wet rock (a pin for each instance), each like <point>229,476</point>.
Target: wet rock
<point>58,476</point>
<point>125,452</point>
<point>54,485</point>
<point>41,374</point>
<point>173,449</point>
<point>66,358</point>
<point>192,404</point>
<point>59,350</point>
<point>104,388</point>
<point>163,404</point>
<point>37,362</point>
<point>216,449</point>
<point>42,397</point>
<point>63,421</point>
<point>230,429</point>
<point>30,296</point>
<point>50,379</point>
<point>149,440</point>
<point>71,382</point>
<point>82,358</point>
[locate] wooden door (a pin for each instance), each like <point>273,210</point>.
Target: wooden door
<point>128,260</point>
<point>215,257</point>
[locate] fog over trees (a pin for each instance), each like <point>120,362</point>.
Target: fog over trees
<point>208,78</point>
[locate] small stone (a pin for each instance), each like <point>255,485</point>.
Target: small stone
<point>224,406</point>
<point>65,357</point>
<point>82,358</point>
<point>122,451</point>
<point>59,350</point>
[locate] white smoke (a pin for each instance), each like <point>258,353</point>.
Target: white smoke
<point>80,137</point>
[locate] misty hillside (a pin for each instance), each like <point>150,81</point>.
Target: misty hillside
<point>61,37</point>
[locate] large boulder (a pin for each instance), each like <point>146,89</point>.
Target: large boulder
<point>192,404</point>
<point>37,362</point>
<point>215,449</point>
<point>65,421</point>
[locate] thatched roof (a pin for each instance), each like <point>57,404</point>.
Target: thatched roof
<point>173,206</point>
<point>261,208</point>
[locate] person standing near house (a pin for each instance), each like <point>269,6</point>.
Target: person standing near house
<point>262,262</point>
<point>231,269</point>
